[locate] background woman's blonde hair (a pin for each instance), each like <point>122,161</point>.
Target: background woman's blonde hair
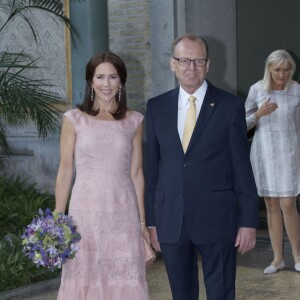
<point>276,58</point>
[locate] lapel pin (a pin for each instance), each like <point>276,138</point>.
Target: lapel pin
<point>212,104</point>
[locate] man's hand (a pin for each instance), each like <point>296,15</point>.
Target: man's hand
<point>153,239</point>
<point>246,239</point>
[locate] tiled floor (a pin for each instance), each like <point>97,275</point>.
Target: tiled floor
<point>251,283</point>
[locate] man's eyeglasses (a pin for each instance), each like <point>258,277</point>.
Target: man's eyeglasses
<point>185,62</point>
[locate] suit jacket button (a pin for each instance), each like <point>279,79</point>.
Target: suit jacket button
<point>185,165</point>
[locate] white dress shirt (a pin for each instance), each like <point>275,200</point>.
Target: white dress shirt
<point>184,104</point>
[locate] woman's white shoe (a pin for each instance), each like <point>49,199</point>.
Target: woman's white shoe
<point>297,267</point>
<point>273,269</point>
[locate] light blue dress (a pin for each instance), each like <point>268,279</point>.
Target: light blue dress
<point>275,149</point>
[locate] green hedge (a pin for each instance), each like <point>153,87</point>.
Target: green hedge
<point>19,203</point>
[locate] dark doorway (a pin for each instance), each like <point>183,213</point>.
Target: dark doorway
<point>262,27</point>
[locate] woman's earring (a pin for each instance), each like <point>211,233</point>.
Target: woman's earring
<point>120,92</point>
<point>92,94</point>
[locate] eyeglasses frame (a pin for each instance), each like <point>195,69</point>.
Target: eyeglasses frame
<point>191,60</point>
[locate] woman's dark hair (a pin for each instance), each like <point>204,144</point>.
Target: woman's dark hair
<point>94,62</point>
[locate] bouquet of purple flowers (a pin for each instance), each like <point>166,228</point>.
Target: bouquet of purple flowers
<point>50,239</point>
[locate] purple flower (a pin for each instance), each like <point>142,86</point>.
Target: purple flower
<point>50,239</point>
<point>52,251</point>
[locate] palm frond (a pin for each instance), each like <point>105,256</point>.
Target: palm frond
<point>20,60</point>
<point>4,147</point>
<point>54,8</point>
<point>24,99</point>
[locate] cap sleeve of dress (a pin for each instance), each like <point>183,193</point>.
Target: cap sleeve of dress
<point>137,118</point>
<point>73,115</point>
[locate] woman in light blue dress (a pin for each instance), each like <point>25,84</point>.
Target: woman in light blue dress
<point>273,106</point>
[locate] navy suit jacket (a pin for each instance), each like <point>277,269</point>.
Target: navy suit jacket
<point>211,186</point>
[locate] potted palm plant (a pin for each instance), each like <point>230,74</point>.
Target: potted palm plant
<point>22,97</point>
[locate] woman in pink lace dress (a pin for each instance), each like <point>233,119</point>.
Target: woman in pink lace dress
<point>102,139</point>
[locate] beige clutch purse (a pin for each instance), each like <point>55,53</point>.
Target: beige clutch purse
<point>149,253</point>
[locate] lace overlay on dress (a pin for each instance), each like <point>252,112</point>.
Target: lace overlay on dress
<point>275,149</point>
<point>110,263</point>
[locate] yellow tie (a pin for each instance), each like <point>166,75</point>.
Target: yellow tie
<point>190,123</point>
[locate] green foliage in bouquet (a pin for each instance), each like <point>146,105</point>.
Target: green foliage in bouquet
<point>19,202</point>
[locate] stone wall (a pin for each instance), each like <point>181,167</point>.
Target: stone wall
<point>129,37</point>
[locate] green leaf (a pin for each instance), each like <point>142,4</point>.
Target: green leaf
<point>15,269</point>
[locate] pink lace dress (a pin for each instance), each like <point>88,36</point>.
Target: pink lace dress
<point>110,263</point>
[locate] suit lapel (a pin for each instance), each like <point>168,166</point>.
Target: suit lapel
<point>173,116</point>
<point>208,107</point>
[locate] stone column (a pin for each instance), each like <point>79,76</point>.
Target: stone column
<point>216,21</point>
<point>162,35</point>
<point>90,19</point>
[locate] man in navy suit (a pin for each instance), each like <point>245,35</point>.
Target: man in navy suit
<point>202,199</point>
